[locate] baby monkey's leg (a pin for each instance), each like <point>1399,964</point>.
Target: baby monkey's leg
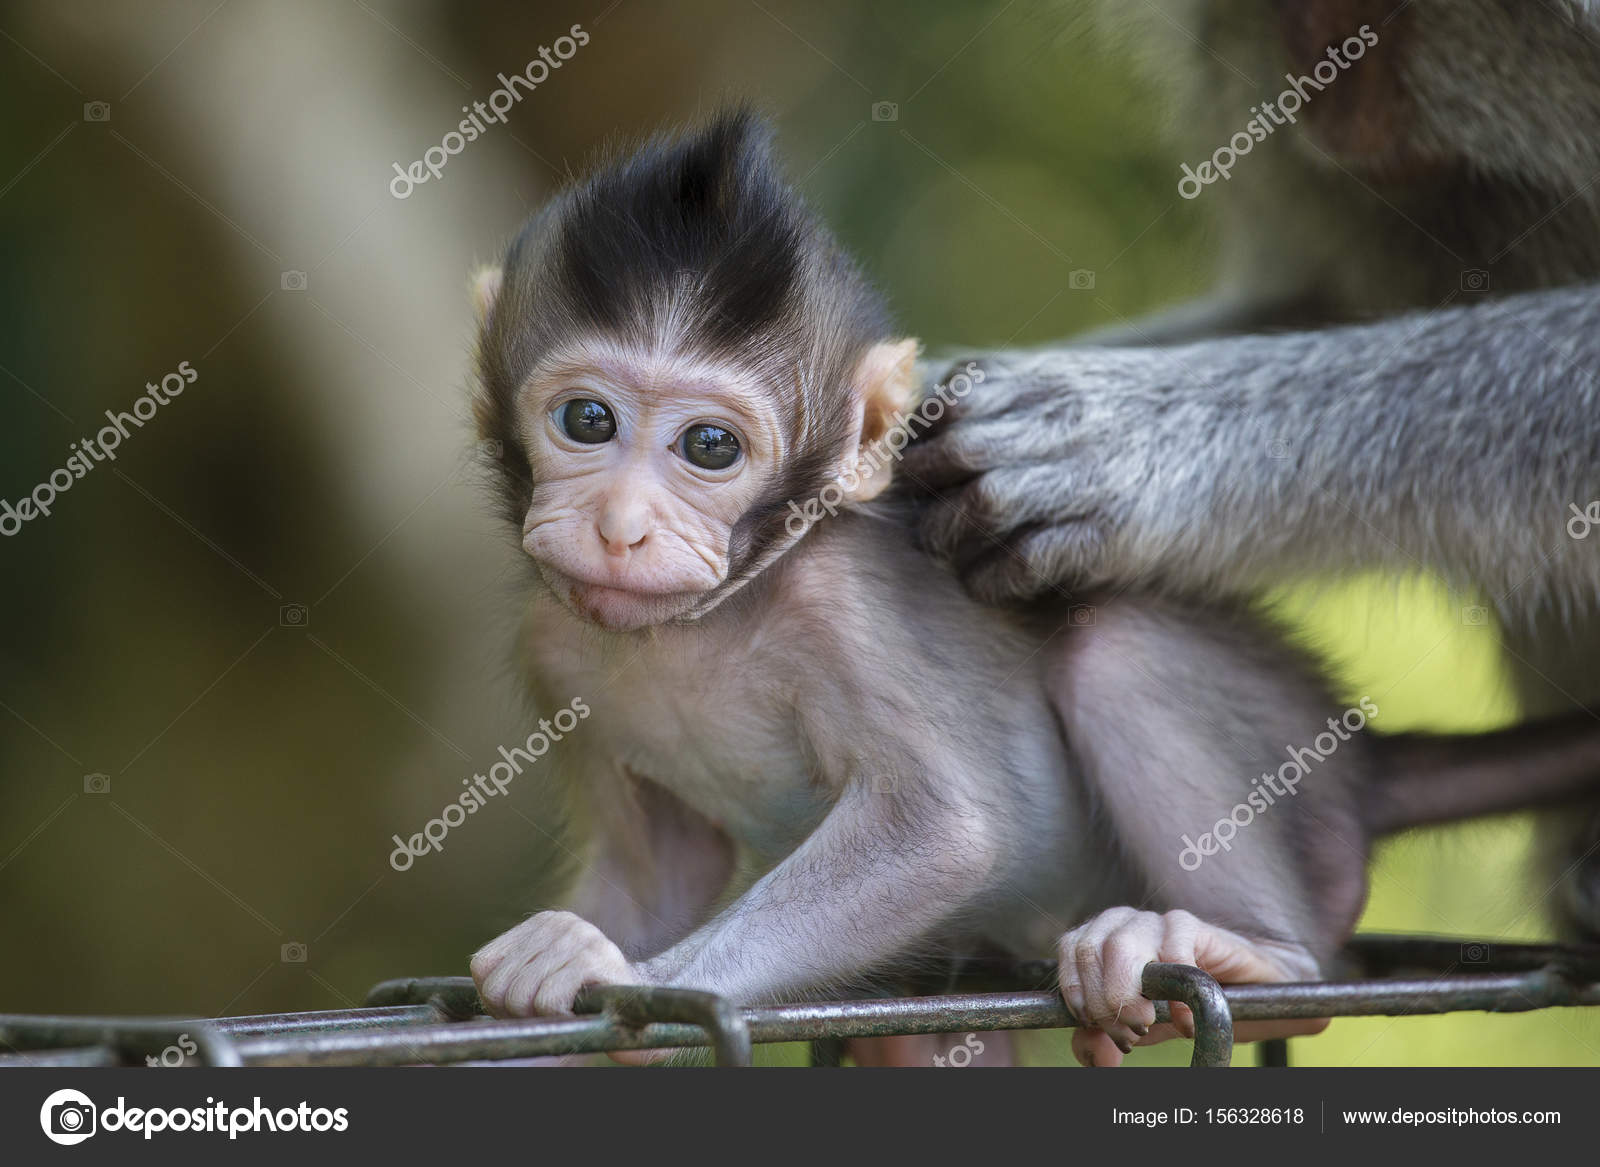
<point>1184,724</point>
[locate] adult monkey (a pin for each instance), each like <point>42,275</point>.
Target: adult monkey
<point>1447,213</point>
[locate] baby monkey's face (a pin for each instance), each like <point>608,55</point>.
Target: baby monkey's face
<point>643,462</point>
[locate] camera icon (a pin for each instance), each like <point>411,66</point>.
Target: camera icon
<point>1081,615</point>
<point>883,784</point>
<point>72,1118</point>
<point>293,281</point>
<point>97,783</point>
<point>1277,448</point>
<point>1080,280</point>
<point>68,1117</point>
<point>491,448</point>
<point>97,111</point>
<point>1475,615</point>
<point>885,111</point>
<point>1475,953</point>
<point>294,616</point>
<point>293,952</point>
<point>1474,279</point>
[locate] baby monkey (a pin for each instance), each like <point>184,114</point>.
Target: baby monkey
<point>810,754</point>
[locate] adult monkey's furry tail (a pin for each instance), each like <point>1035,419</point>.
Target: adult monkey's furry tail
<point>1439,778</point>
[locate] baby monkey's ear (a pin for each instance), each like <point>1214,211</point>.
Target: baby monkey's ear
<point>886,387</point>
<point>485,289</point>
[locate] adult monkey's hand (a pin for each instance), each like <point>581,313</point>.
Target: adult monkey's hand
<point>1034,481</point>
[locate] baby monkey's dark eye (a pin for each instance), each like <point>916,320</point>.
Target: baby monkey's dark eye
<point>710,447</point>
<point>586,421</point>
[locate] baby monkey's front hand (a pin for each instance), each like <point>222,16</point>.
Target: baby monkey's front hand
<point>540,966</point>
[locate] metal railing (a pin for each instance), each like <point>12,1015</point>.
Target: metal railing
<point>437,1020</point>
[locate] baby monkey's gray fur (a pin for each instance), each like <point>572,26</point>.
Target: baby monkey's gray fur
<point>857,761</point>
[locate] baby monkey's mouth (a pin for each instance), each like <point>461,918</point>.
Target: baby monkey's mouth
<point>613,607</point>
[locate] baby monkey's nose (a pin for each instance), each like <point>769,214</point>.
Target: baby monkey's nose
<point>622,529</point>
<point>620,545</point>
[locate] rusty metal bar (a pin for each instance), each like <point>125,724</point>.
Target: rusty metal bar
<point>1377,955</point>
<point>494,1040</point>
<point>956,1013</point>
<point>125,1039</point>
<point>331,1021</point>
<point>435,1020</point>
<point>1213,1018</point>
<point>452,996</point>
<point>638,1006</point>
<point>83,1057</point>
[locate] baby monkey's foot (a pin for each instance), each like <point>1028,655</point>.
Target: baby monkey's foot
<point>1102,964</point>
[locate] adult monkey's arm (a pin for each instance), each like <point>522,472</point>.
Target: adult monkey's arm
<point>1459,440</point>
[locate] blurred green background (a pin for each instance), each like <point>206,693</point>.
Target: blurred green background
<point>276,625</point>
